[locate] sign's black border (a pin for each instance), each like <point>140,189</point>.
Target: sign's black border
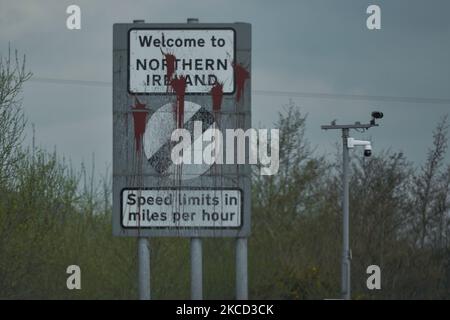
<point>241,223</point>
<point>174,28</point>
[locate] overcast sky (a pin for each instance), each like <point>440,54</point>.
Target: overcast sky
<point>298,46</point>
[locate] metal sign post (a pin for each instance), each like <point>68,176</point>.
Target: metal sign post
<point>196,252</point>
<point>193,78</point>
<point>196,269</point>
<point>241,269</point>
<point>144,268</point>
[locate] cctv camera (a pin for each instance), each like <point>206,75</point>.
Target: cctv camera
<point>351,143</point>
<point>377,115</point>
<point>367,150</point>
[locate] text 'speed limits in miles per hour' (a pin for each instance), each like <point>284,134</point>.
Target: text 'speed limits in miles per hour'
<point>207,208</point>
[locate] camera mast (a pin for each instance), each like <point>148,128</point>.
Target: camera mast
<point>346,252</point>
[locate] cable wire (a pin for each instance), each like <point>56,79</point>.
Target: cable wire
<point>275,93</point>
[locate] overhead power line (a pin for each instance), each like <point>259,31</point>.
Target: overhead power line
<point>274,93</point>
<point>72,82</point>
<point>365,97</point>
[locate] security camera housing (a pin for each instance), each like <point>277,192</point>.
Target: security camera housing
<point>377,115</point>
<point>367,150</point>
<point>351,143</point>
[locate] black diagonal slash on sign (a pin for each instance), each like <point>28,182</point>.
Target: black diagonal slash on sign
<point>161,159</point>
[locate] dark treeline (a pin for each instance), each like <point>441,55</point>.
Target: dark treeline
<point>52,216</point>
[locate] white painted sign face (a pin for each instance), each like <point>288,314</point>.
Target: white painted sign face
<point>178,89</point>
<point>202,56</point>
<point>175,208</point>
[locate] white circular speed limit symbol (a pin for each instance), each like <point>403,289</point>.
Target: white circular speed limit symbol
<point>158,145</point>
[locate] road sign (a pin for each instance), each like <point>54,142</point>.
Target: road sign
<point>181,208</point>
<point>203,56</point>
<point>194,77</point>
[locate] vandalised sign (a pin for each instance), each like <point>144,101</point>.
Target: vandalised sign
<point>181,97</point>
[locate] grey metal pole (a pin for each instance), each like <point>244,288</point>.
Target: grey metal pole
<point>196,251</point>
<point>241,269</point>
<point>345,280</point>
<point>196,269</point>
<point>143,256</point>
<point>144,268</point>
<point>346,252</point>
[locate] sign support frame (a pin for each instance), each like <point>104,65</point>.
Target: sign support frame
<point>144,268</point>
<point>196,269</point>
<point>241,269</point>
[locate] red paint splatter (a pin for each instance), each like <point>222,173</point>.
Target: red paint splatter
<point>140,121</point>
<point>217,95</point>
<point>241,75</point>
<point>179,87</point>
<point>170,65</point>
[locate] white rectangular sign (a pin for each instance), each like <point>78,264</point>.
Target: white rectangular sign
<point>170,75</point>
<point>174,208</point>
<point>202,56</point>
